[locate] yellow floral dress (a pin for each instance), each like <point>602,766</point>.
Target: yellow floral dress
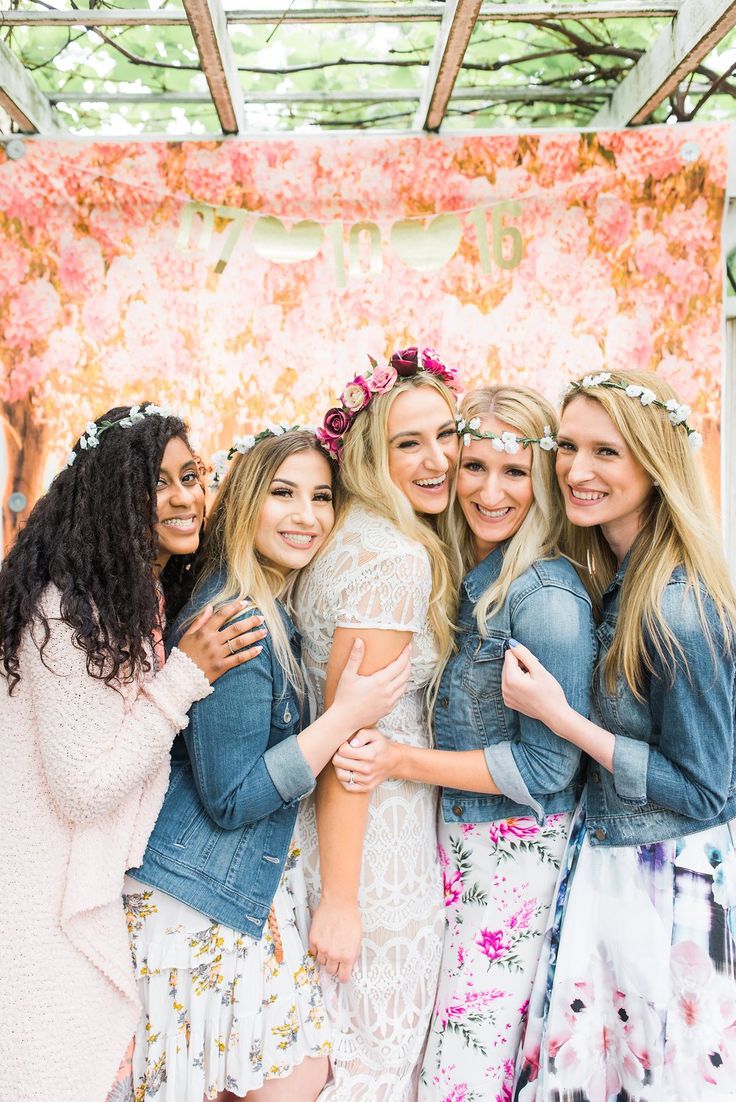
<point>222,1010</point>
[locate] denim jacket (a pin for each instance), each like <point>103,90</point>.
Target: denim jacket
<point>674,771</point>
<point>237,776</point>
<point>547,610</point>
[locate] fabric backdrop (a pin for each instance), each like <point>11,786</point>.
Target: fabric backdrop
<point>245,280</point>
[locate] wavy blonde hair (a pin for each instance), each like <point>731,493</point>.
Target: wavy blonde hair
<point>230,538</point>
<point>365,479</point>
<point>527,413</point>
<point>677,530</point>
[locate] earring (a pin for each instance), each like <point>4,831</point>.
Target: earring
<point>655,483</point>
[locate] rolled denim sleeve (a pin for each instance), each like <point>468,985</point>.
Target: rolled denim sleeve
<point>630,768</point>
<point>503,768</point>
<point>556,625</point>
<point>240,779</point>
<point>288,769</point>
<point>688,765</point>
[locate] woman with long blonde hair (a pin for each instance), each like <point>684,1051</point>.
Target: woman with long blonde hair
<point>232,1000</point>
<point>371,861</point>
<point>500,851</point>
<point>636,989</point>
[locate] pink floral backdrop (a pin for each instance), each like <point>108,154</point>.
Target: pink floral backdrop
<point>531,258</point>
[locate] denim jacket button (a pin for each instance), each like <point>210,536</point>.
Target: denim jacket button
<point>287,715</point>
<point>443,702</point>
<point>457,810</point>
<point>595,777</point>
<point>600,834</point>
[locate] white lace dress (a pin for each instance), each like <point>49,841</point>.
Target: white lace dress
<point>371,576</point>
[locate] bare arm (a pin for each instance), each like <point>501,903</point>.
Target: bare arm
<point>341,820</point>
<point>371,758</point>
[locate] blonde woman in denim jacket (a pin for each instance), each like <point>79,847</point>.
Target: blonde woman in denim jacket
<point>509,784</point>
<point>231,993</point>
<point>635,996</point>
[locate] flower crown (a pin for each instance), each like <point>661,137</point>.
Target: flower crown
<point>361,390</point>
<point>507,441</point>
<point>677,412</point>
<point>91,437</point>
<point>243,444</point>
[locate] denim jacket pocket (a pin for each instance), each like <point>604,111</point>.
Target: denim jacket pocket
<point>482,673</point>
<point>191,825</point>
<point>285,714</point>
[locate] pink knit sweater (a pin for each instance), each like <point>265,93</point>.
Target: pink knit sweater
<point>84,771</point>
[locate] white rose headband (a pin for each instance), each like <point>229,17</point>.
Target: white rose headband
<point>677,412</point>
<point>506,441</point>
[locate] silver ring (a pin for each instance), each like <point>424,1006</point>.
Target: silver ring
<point>351,779</point>
<point>230,647</point>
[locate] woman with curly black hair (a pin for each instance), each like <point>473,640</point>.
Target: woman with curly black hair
<point>88,715</point>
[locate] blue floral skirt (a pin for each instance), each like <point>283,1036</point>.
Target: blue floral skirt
<point>635,995</point>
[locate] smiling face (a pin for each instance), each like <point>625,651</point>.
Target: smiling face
<point>179,503</point>
<point>297,514</point>
<point>422,448</point>
<point>494,489</point>
<point>601,481</point>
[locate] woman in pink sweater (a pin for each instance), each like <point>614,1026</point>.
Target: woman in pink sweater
<point>88,712</point>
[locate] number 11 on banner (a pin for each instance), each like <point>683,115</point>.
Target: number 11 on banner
<point>506,248</point>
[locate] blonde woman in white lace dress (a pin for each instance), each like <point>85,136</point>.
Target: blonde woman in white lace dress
<point>371,860</point>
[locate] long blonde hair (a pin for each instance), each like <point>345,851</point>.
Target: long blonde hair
<point>365,479</point>
<point>527,412</point>
<point>677,530</point>
<point>229,546</point>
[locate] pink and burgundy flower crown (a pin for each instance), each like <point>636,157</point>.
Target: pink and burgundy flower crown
<point>361,390</point>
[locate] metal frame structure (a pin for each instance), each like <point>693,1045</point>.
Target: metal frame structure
<point>693,27</point>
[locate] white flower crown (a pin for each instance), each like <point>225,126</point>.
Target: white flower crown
<point>507,441</point>
<point>94,430</point>
<point>677,412</point>
<point>243,444</point>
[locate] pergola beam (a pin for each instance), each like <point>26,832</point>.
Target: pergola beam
<point>696,29</point>
<point>523,94</point>
<point>398,13</point>
<point>209,28</point>
<point>458,20</point>
<point>22,100</point>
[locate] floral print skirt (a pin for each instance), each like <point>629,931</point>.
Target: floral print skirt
<point>499,881</point>
<point>635,996</point>
<point>221,1013</point>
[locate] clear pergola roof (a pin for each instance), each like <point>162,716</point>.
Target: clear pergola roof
<point>226,66</point>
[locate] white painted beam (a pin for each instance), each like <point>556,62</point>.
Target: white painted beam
<point>20,97</point>
<point>458,20</point>
<point>212,38</point>
<point>367,13</point>
<point>696,29</point>
<point>525,93</point>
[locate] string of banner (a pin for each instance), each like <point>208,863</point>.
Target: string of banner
<point>423,243</point>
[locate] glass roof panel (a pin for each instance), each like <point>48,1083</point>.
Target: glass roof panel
<point>129,119</point>
<point>110,59</point>
<point>358,57</point>
<point>556,53</point>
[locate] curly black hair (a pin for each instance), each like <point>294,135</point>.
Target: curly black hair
<point>92,535</point>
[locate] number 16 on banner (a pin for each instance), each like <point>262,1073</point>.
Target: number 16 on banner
<point>506,247</point>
